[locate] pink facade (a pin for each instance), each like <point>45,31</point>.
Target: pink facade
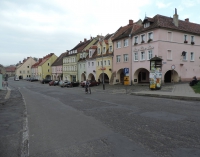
<point>56,72</point>
<point>176,45</point>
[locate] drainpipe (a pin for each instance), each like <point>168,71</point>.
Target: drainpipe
<point>131,58</point>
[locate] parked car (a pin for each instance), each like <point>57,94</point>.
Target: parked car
<point>45,81</point>
<point>28,79</point>
<point>56,83</point>
<point>92,83</point>
<point>51,83</point>
<point>16,79</point>
<point>33,79</point>
<point>72,84</point>
<point>63,83</point>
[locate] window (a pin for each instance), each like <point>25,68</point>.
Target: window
<point>125,57</point>
<point>150,54</point>
<point>48,70</point>
<point>118,58</point>
<point>169,55</point>
<point>147,24</point>
<point>84,65</point>
<point>90,53</point>
<point>142,56</point>
<point>27,71</point>
<point>80,55</point>
<point>192,38</point>
<point>101,63</point>
<point>192,56</point>
<point>27,66</point>
<point>98,63</point>
<point>88,64</point>
<point>185,56</point>
<point>185,38</point>
<point>48,64</point>
<point>108,62</point>
<point>74,68</point>
<point>83,55</point>
<point>150,36</point>
<point>136,40</point>
<point>98,50</point>
<point>110,48</point>
<point>104,49</point>
<point>104,62</point>
<point>118,44</point>
<point>169,36</point>
<point>142,38</point>
<point>125,42</point>
<point>136,56</point>
<point>92,63</point>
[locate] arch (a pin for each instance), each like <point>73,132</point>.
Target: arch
<point>83,77</point>
<point>171,76</point>
<point>120,76</point>
<point>91,77</point>
<point>141,75</point>
<point>106,78</point>
<point>48,77</point>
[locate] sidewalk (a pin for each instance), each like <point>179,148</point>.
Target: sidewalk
<point>4,95</point>
<point>180,91</point>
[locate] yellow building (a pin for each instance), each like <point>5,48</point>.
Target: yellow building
<point>104,59</point>
<point>23,70</point>
<point>44,68</point>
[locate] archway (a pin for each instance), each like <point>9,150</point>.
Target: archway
<point>171,76</point>
<point>141,75</point>
<point>120,76</point>
<point>83,77</point>
<point>106,78</point>
<point>48,77</point>
<point>91,77</point>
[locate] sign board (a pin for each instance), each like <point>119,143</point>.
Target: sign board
<point>126,80</point>
<point>126,71</point>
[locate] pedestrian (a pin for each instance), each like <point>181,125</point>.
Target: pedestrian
<point>6,83</point>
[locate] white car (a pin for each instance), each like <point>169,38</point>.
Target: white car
<point>16,79</point>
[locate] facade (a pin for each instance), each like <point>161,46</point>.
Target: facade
<point>57,68</point>
<point>10,70</point>
<point>104,59</point>
<point>70,61</point>
<point>122,58</point>
<point>23,70</point>
<point>44,68</point>
<point>84,64</point>
<point>91,64</point>
<point>175,41</point>
<point>34,69</point>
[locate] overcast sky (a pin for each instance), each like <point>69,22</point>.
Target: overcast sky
<point>38,27</point>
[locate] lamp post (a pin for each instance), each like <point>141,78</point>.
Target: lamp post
<point>102,63</point>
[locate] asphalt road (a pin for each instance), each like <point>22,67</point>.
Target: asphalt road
<point>67,122</point>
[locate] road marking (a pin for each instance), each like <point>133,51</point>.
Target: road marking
<point>25,136</point>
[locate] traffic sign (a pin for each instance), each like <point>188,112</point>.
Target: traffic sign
<point>126,71</point>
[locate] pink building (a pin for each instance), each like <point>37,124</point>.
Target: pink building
<point>57,68</point>
<point>122,51</point>
<point>176,42</point>
<point>34,69</point>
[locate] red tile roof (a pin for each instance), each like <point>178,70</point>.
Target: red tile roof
<point>160,21</point>
<point>10,69</point>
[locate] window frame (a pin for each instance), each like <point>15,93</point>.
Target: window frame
<point>135,56</point>
<point>142,57</point>
<point>125,57</point>
<point>148,58</point>
<point>118,58</point>
<point>192,60</point>
<point>185,58</point>
<point>169,59</point>
<point>141,38</point>
<point>118,44</point>
<point>126,42</point>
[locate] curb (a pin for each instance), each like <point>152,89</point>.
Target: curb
<point>168,96</point>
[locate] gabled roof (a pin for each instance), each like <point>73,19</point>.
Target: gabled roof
<point>160,21</point>
<point>44,59</point>
<point>59,60</point>
<point>10,69</point>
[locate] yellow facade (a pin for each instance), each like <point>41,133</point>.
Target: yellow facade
<point>44,70</point>
<point>106,47</point>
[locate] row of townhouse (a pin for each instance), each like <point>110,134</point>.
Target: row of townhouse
<point>176,42</point>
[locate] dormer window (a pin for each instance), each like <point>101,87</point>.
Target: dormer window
<point>80,55</point>
<point>104,49</point>
<point>110,48</point>
<point>147,24</point>
<point>90,53</point>
<point>98,50</point>
<point>83,55</point>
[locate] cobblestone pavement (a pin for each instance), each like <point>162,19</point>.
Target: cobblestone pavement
<point>11,124</point>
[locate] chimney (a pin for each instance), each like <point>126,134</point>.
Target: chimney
<point>187,20</point>
<point>91,37</point>
<point>27,57</point>
<point>175,18</point>
<point>80,41</point>
<point>130,22</point>
<point>85,39</point>
<point>40,59</point>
